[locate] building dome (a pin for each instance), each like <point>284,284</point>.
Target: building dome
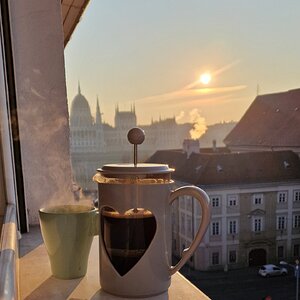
<point>80,114</point>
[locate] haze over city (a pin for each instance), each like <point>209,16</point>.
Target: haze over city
<point>189,59</point>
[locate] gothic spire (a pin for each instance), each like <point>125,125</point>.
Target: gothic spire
<point>98,113</point>
<point>79,90</point>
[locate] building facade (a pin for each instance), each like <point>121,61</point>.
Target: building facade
<point>255,202</point>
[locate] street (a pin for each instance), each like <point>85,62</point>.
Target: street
<point>242,284</point>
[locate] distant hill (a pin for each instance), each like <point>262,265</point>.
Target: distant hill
<point>216,132</point>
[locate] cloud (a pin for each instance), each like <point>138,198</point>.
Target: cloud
<point>192,96</point>
<point>187,94</point>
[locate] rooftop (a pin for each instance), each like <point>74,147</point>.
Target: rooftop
<point>272,120</point>
<point>204,169</point>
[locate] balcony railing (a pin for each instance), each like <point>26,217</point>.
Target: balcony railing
<point>8,256</point>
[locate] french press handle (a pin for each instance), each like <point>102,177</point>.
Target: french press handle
<point>203,199</point>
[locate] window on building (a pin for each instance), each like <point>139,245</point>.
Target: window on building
<point>215,228</point>
<point>189,224</point>
<point>182,225</point>
<point>182,203</point>
<point>296,223</point>
<point>232,200</point>
<point>215,201</point>
<point>215,258</point>
<point>296,250</point>
<point>297,196</point>
<point>232,226</point>
<point>189,203</point>
<point>232,256</point>
<point>257,224</point>
<point>257,199</point>
<point>280,251</point>
<point>282,197</point>
<point>281,222</point>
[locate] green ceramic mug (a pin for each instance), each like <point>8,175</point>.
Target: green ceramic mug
<point>68,232</point>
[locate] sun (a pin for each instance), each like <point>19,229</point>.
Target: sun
<point>205,78</point>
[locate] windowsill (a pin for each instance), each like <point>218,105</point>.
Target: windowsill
<point>36,281</point>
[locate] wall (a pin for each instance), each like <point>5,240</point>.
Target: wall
<point>38,50</point>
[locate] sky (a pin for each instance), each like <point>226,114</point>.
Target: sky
<point>152,53</point>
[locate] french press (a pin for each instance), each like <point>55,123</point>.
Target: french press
<point>135,223</point>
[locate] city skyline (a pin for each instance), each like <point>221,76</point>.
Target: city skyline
<point>153,54</point>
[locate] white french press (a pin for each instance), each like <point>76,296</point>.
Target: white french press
<point>135,225</point>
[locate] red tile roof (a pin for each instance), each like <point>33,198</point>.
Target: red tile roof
<point>231,168</point>
<point>271,120</point>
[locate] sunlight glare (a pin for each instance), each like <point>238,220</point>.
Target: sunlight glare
<point>205,78</point>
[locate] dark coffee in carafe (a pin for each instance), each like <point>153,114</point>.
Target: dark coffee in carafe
<point>127,236</point>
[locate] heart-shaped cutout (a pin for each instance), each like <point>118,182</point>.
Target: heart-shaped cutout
<point>126,236</point>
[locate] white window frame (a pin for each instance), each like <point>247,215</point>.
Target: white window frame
<point>215,201</point>
<point>281,222</point>
<point>230,226</point>
<point>232,200</point>
<point>282,251</point>
<point>259,223</point>
<point>296,221</point>
<point>215,228</point>
<point>282,196</point>
<point>217,255</point>
<point>232,262</point>
<point>296,196</point>
<point>258,199</point>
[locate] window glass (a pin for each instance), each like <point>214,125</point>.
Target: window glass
<point>182,223</point>
<point>232,200</point>
<point>257,199</point>
<point>232,256</point>
<point>215,258</point>
<point>215,201</point>
<point>232,226</point>
<point>215,228</point>
<point>282,197</point>
<point>280,250</point>
<point>4,135</point>
<point>257,224</point>
<point>296,223</point>
<point>189,225</point>
<point>297,195</point>
<point>281,222</point>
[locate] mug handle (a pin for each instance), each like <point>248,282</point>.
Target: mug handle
<point>203,199</point>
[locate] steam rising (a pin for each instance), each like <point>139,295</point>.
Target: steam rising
<point>44,135</point>
<point>199,126</point>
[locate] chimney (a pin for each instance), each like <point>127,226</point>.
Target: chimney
<point>191,146</point>
<point>214,145</point>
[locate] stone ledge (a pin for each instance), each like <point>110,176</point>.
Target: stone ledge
<point>36,281</point>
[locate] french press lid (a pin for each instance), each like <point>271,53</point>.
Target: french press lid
<point>136,136</point>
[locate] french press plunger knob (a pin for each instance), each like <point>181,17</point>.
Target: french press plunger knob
<point>136,136</point>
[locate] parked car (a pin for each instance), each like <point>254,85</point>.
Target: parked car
<point>271,270</point>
